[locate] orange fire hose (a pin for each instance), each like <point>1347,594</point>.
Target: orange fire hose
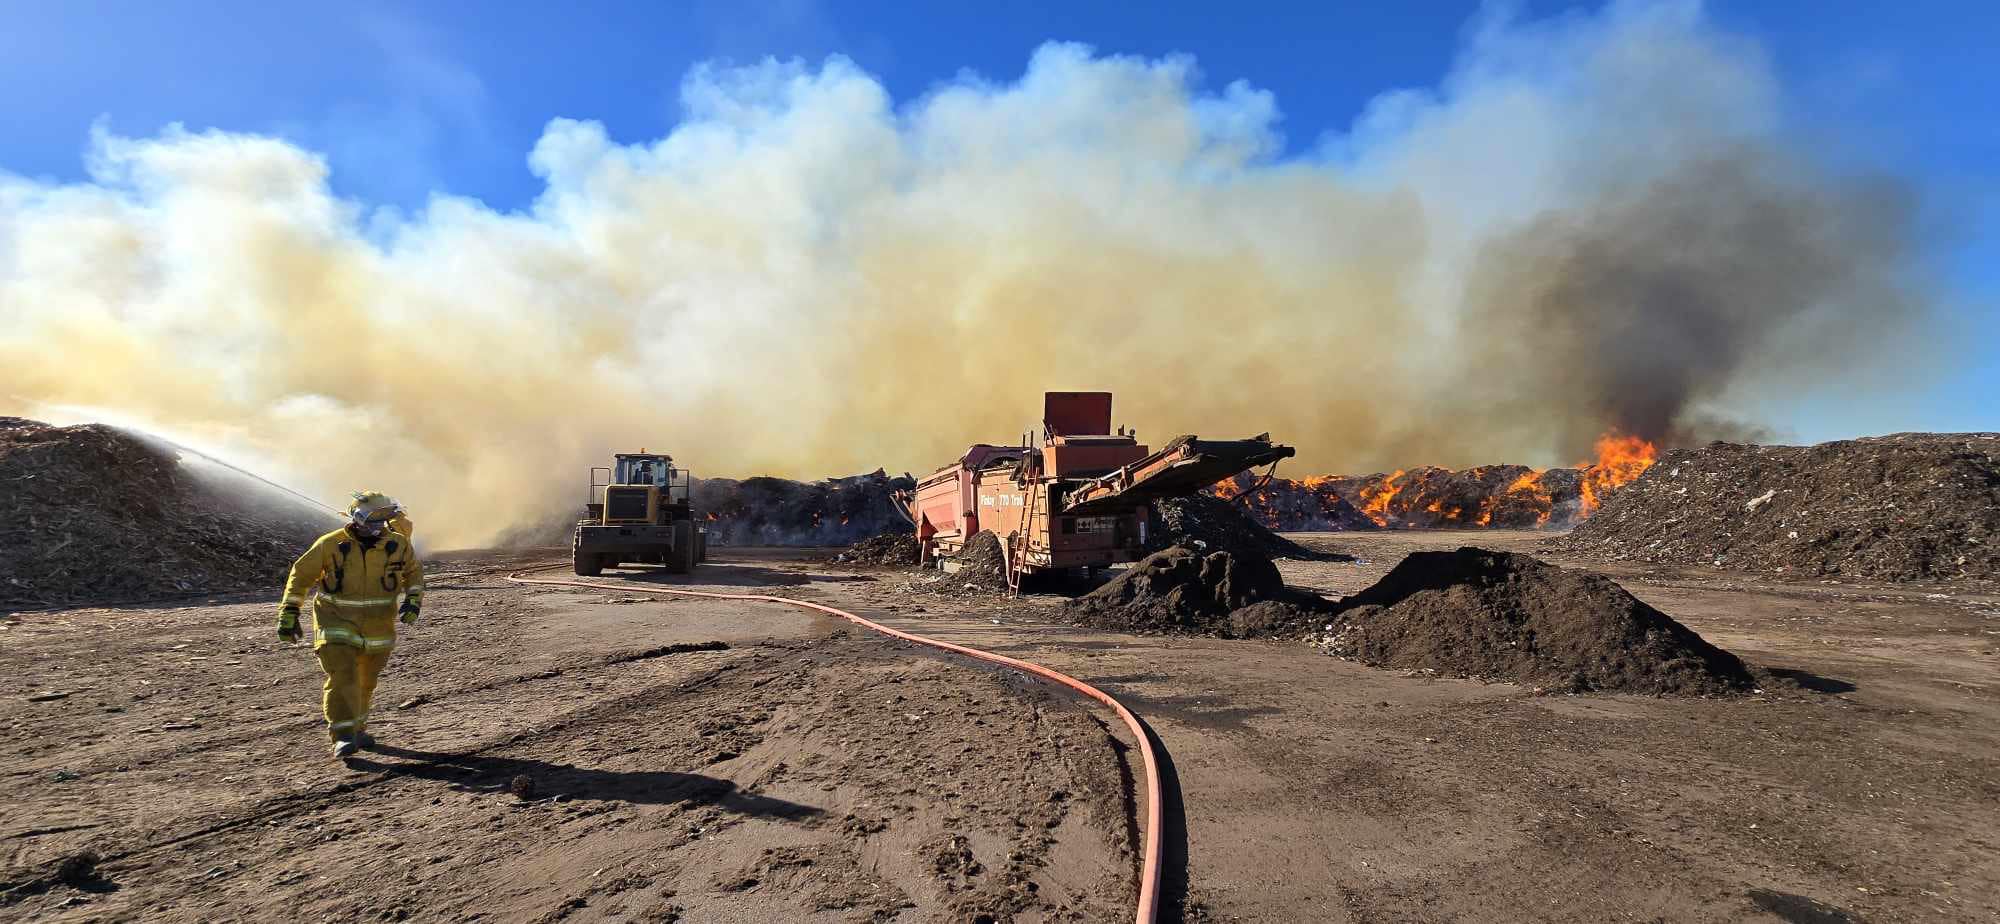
<point>1149,876</point>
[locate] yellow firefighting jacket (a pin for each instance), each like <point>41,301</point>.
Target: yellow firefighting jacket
<point>356,587</point>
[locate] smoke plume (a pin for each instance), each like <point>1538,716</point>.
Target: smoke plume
<point>1593,223</point>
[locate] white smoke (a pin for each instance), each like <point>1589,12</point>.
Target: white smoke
<point>805,278</point>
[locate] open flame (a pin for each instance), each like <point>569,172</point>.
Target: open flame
<point>1620,459</point>
<point>1528,486</point>
<point>1375,499</point>
<point>1533,498</point>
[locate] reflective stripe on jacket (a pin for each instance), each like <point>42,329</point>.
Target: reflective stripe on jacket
<point>356,587</point>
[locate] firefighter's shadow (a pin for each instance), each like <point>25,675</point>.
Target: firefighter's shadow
<point>564,781</point>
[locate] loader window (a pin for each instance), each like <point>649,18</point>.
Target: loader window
<point>655,472</point>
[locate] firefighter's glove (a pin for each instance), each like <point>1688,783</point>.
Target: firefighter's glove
<point>408,614</point>
<point>288,623</point>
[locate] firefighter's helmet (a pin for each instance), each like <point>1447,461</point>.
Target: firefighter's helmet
<point>371,512</point>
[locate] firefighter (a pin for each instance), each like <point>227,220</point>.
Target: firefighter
<point>359,571</point>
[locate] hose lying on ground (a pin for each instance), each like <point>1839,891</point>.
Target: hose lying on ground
<point>1149,875</point>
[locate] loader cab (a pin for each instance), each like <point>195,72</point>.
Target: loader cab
<point>639,487</point>
<point>651,470</point>
<point>657,471</point>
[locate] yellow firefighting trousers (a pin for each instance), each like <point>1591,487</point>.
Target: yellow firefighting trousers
<point>352,653</point>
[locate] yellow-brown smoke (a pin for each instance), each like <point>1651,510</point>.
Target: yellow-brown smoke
<point>805,279</point>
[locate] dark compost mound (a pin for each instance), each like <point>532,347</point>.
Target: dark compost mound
<point>778,511</point>
<point>96,514</point>
<point>1207,523</point>
<point>1908,507</point>
<point>889,550</point>
<point>1502,616</point>
<point>1183,590</point>
<point>982,569</point>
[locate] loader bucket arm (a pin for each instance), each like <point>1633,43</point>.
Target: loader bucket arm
<point>1186,465</point>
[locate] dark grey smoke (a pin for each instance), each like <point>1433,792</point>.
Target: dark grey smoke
<point>1753,267</point>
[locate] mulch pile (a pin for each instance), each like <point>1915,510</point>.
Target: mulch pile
<point>1428,497</point>
<point>831,512</point>
<point>1207,523</point>
<point>889,550</point>
<point>777,511</point>
<point>1309,505</point>
<point>1907,507</point>
<point>93,514</point>
<point>1508,617</point>
<point>1185,590</point>
<point>982,570</point>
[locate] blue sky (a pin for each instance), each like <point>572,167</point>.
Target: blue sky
<point>407,100</point>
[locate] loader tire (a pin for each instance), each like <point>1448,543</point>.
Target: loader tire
<point>587,564</point>
<point>681,558</point>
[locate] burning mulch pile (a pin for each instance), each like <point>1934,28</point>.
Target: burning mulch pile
<point>1907,507</point>
<point>96,514</point>
<point>1207,523</point>
<point>1312,504</point>
<point>889,550</point>
<point>1209,593</point>
<point>1508,617</point>
<point>1497,496</point>
<point>982,569</point>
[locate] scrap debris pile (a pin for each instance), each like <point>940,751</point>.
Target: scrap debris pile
<point>1503,616</point>
<point>1907,507</point>
<point>889,550</point>
<point>778,511</point>
<point>96,514</point>
<point>1496,496</point>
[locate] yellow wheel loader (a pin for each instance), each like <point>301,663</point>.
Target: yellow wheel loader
<point>640,513</point>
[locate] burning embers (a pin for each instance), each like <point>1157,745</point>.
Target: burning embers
<point>1498,496</point>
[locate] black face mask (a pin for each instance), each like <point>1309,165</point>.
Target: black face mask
<point>367,541</point>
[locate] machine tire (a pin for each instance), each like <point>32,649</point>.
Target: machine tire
<point>682,557</point>
<point>587,564</point>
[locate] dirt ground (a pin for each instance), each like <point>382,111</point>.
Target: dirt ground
<point>811,772</point>
<point>689,762</point>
